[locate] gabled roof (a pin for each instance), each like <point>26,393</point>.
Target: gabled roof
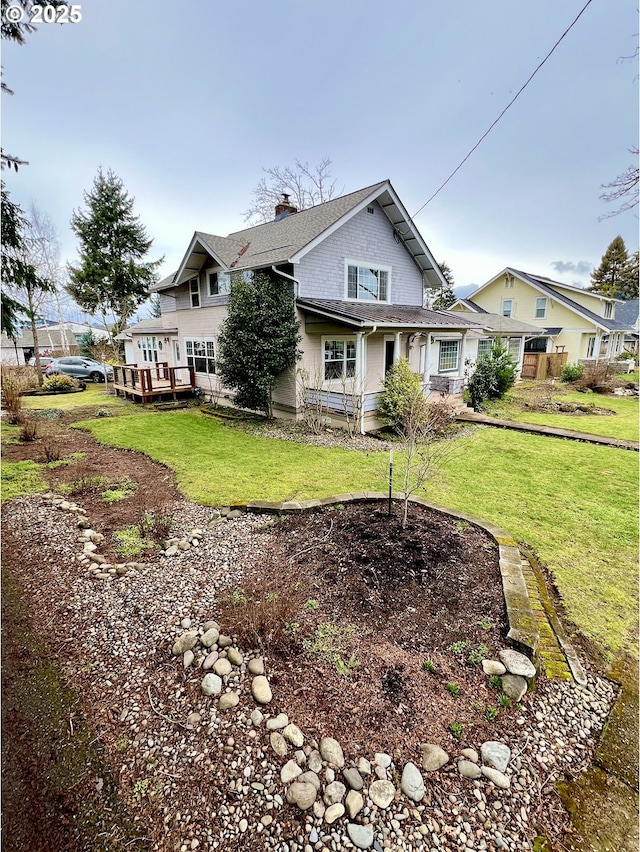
<point>473,307</point>
<point>151,325</point>
<point>627,312</point>
<point>496,322</point>
<point>365,315</point>
<point>287,240</point>
<point>550,288</point>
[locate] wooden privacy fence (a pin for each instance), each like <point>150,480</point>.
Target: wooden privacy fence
<point>155,381</point>
<point>543,365</point>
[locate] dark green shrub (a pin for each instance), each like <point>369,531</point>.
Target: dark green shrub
<point>571,373</point>
<point>401,387</point>
<point>494,374</point>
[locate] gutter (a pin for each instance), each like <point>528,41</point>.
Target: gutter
<point>296,283</point>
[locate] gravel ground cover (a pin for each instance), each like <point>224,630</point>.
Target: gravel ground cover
<point>196,776</point>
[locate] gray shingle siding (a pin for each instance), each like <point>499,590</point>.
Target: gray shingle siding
<point>365,237</point>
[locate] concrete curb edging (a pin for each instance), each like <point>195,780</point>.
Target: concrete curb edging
<point>523,630</point>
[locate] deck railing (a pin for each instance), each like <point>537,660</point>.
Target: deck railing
<point>154,380</point>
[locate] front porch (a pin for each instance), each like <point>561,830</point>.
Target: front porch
<point>155,382</point>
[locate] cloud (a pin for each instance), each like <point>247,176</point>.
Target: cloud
<point>582,267</point>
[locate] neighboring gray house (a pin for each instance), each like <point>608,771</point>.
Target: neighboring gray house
<point>627,313</point>
<point>357,266</point>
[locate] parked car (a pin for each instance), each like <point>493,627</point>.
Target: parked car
<point>44,361</point>
<point>80,368</point>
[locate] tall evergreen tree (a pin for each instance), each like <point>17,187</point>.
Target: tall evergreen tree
<point>446,297</point>
<point>614,275</point>
<point>258,340</point>
<point>112,278</point>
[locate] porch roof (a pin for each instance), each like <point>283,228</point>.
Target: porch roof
<point>361,315</point>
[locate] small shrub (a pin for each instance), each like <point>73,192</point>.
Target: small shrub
<point>140,789</point>
<point>504,701</point>
<point>494,374</point>
<point>429,666</point>
<point>311,605</point>
<point>12,390</point>
<point>28,430</point>
<point>60,383</point>
<point>458,648</point>
<point>491,714</point>
<point>571,373</point>
<point>495,682</point>
<point>156,527</point>
<point>478,654</point>
<point>52,451</point>
<point>454,689</point>
<point>48,413</point>
<point>456,729</point>
<point>598,376</point>
<point>119,490</point>
<point>401,387</point>
<point>485,622</point>
<point>104,412</point>
<point>129,542</point>
<point>330,642</point>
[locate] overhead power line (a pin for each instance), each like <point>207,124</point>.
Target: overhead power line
<point>511,102</point>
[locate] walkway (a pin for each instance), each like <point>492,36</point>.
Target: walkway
<point>551,431</point>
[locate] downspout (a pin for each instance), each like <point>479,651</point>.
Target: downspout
<point>291,278</point>
<point>363,348</point>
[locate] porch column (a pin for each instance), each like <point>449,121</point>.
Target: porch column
<point>463,352</point>
<point>361,372</point>
<point>396,347</point>
<point>426,376</point>
<point>596,346</point>
<point>520,357</point>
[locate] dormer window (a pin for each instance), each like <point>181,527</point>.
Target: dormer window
<point>608,310</point>
<point>367,283</point>
<point>194,293</point>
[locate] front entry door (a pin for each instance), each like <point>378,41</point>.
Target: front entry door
<point>389,353</point>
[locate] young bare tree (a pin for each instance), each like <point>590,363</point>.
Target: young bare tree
<point>425,442</point>
<point>623,189</point>
<point>306,185</point>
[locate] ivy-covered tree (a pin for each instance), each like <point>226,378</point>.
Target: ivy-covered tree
<point>617,274</point>
<point>112,277</point>
<point>258,340</point>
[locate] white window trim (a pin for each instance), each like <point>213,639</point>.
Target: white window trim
<point>192,293</point>
<point>535,307</point>
<point>204,340</point>
<point>502,304</point>
<point>449,370</point>
<point>332,383</point>
<point>380,267</point>
<point>217,273</point>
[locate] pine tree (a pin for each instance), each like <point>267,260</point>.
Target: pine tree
<point>112,279</point>
<point>610,278</point>
<point>258,340</point>
<point>630,278</point>
<point>446,297</point>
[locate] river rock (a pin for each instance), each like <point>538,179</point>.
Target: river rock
<point>331,751</point>
<point>294,735</point>
<point>211,684</point>
<point>302,795</point>
<point>184,643</point>
<point>228,700</point>
<point>412,783</point>
<point>498,778</point>
<point>354,803</point>
<point>514,686</point>
<point>353,778</point>
<point>333,812</point>
<point>235,657</point>
<point>495,754</point>
<point>309,778</point>
<point>261,690</point>
<point>210,637</point>
<point>516,663</point>
<point>278,722</point>
<point>469,770</point>
<point>290,771</point>
<point>222,666</point>
<point>433,757</point>
<point>278,744</point>
<point>382,793</point>
<point>256,666</point>
<point>493,667</point>
<point>360,835</point>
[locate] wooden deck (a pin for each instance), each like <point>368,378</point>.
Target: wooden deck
<point>157,381</point>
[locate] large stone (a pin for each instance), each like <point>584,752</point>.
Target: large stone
<point>493,667</point>
<point>514,686</point>
<point>261,690</point>
<point>184,643</point>
<point>235,657</point>
<point>222,666</point>
<point>278,722</point>
<point>333,812</point>
<point>209,660</point>
<point>210,637</point>
<point>353,778</point>
<point>278,744</point>
<point>331,751</point>
<point>382,759</point>
<point>290,771</point>
<point>516,663</point>
<point>256,666</point>
<point>302,795</point>
<point>470,754</point>
<point>315,761</point>
<point>294,735</point>
<point>354,803</point>
<point>360,835</point>
<point>382,793</point>
<point>334,792</point>
<point>364,766</point>
<point>211,684</point>
<point>433,757</point>
<point>469,770</point>
<point>228,700</point>
<point>309,778</point>
<point>498,778</point>
<point>495,754</point>
<point>412,783</point>
<point>224,641</point>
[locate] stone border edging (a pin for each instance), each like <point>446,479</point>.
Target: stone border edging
<point>523,630</point>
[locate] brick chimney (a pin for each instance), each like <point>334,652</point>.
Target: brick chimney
<point>284,208</point>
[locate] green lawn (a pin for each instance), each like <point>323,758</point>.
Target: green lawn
<point>24,477</point>
<point>94,395</point>
<point>622,424</point>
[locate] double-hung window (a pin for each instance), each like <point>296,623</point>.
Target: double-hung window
<point>339,359</point>
<point>541,308</point>
<point>149,346</point>
<point>194,293</point>
<point>201,354</point>
<point>448,360</point>
<point>608,310</point>
<point>219,283</point>
<point>507,307</point>
<point>514,348</point>
<point>367,283</point>
<point>484,347</point>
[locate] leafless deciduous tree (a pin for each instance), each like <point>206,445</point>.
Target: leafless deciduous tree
<point>623,190</point>
<point>306,185</point>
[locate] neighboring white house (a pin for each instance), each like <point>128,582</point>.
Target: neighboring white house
<point>358,267</point>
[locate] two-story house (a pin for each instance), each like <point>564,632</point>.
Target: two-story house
<point>357,267</point>
<point>569,320</point>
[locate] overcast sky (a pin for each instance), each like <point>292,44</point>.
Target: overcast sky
<point>188,101</point>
